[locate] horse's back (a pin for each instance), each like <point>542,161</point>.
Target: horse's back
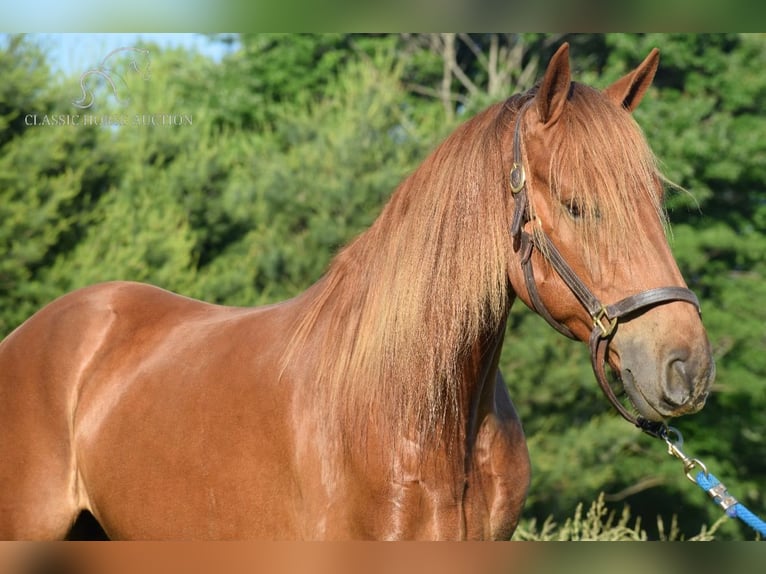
<point>126,397</point>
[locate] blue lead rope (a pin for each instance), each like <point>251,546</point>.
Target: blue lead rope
<point>730,505</point>
<point>707,482</point>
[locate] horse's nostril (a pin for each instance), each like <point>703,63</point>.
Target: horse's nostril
<point>679,367</point>
<point>677,384</point>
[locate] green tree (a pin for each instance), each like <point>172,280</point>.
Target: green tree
<point>269,69</point>
<point>137,232</point>
<point>48,176</point>
<point>319,178</point>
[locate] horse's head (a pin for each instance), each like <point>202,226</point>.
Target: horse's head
<point>590,251</point>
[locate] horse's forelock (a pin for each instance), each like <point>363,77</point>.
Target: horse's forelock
<point>601,163</point>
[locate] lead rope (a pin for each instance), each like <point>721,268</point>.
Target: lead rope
<point>709,483</point>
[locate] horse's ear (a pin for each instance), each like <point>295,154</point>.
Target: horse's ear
<point>554,89</point>
<point>628,91</point>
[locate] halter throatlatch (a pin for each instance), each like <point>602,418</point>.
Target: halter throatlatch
<point>605,317</point>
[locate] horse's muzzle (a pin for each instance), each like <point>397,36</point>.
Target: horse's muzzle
<point>675,385</point>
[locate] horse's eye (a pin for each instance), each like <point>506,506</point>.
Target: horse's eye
<point>574,209</point>
<point>577,210</point>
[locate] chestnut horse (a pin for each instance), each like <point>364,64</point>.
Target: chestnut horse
<point>369,406</point>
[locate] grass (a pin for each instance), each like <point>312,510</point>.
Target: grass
<point>601,524</point>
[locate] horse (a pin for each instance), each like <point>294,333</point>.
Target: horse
<point>369,406</point>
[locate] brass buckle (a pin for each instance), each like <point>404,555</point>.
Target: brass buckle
<point>518,177</point>
<point>598,321</point>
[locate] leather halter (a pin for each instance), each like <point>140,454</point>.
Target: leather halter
<point>605,317</point>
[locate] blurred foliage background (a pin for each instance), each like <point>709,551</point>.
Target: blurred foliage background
<point>259,166</point>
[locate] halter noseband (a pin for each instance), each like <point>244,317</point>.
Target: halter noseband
<point>605,317</point>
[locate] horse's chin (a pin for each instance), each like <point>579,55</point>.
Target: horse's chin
<point>637,398</point>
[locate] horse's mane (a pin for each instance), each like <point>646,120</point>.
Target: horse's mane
<point>401,307</point>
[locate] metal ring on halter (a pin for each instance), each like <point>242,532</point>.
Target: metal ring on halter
<point>674,449</point>
<point>518,177</point>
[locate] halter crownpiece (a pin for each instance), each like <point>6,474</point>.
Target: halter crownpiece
<point>605,317</point>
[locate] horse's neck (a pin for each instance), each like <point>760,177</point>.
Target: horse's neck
<point>480,377</point>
